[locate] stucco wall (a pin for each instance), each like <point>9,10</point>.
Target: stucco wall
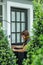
<point>22,1</point>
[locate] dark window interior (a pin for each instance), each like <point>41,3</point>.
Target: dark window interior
<point>1,14</point>
<point>1,0</point>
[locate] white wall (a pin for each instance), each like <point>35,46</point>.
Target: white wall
<point>22,1</point>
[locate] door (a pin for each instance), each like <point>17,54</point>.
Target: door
<point>18,24</point>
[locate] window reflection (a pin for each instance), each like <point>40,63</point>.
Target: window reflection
<point>22,16</point>
<point>18,27</point>
<point>22,26</point>
<point>13,16</point>
<point>18,16</point>
<point>0,9</point>
<point>13,38</point>
<point>1,15</point>
<point>18,38</point>
<point>13,27</point>
<point>22,40</point>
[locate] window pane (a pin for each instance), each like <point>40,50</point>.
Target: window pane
<point>18,16</point>
<point>22,26</point>
<point>13,16</point>
<point>22,40</point>
<point>18,27</point>
<point>18,37</point>
<point>1,21</point>
<point>1,0</point>
<point>0,10</point>
<point>23,16</point>
<point>13,27</point>
<point>13,38</point>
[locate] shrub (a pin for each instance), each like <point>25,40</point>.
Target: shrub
<point>35,46</point>
<point>6,55</point>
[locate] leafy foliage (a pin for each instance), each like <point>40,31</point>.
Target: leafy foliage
<point>35,46</point>
<point>6,55</point>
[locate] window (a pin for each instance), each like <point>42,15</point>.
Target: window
<point>1,14</point>
<point>18,24</point>
<point>1,0</point>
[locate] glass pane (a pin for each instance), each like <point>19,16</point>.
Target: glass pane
<point>18,16</point>
<point>23,16</point>
<point>22,26</point>
<point>13,27</point>
<point>0,21</point>
<point>1,0</point>
<point>0,10</point>
<point>13,16</point>
<point>22,39</point>
<point>18,27</point>
<point>13,38</point>
<point>18,37</point>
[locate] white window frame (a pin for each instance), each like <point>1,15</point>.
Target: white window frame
<point>19,5</point>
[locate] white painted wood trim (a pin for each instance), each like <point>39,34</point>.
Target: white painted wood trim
<point>19,5</point>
